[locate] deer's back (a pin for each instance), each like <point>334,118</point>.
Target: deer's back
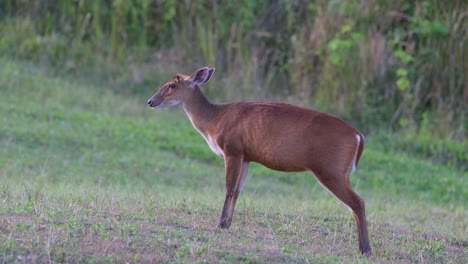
<point>282,136</point>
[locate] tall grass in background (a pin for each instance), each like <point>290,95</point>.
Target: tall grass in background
<point>400,65</point>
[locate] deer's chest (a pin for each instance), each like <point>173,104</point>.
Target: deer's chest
<point>212,144</point>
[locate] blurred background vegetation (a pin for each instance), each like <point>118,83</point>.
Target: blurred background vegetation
<point>395,69</point>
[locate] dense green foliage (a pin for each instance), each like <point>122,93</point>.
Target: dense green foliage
<point>379,63</point>
<point>88,175</point>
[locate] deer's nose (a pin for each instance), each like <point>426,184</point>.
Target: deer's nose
<point>149,102</point>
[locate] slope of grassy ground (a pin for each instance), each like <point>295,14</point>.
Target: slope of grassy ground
<point>87,175</point>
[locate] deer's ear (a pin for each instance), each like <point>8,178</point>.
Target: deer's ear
<point>210,74</point>
<point>201,76</point>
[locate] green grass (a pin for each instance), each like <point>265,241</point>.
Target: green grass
<point>88,175</point>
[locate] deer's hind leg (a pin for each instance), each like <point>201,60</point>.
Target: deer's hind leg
<point>338,184</point>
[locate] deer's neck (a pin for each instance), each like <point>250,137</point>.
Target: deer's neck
<point>200,110</point>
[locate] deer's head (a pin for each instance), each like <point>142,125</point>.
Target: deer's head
<point>179,89</point>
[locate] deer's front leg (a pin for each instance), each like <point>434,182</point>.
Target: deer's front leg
<point>236,172</point>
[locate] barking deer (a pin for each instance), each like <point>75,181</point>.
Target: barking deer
<point>280,136</point>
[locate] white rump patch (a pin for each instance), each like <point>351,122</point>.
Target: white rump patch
<point>353,164</point>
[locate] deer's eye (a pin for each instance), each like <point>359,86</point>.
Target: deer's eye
<point>171,85</point>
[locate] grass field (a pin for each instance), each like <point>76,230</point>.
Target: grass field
<point>88,175</point>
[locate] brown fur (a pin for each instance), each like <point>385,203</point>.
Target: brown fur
<point>280,136</point>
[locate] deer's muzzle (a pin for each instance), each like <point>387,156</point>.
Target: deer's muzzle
<point>154,101</point>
